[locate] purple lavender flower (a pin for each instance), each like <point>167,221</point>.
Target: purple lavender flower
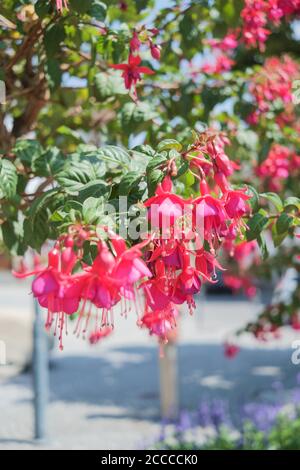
<point>203,414</point>
<point>263,415</point>
<point>219,413</point>
<point>184,422</point>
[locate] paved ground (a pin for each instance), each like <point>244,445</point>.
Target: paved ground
<point>106,397</point>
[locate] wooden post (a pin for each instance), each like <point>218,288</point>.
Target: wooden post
<point>169,387</point>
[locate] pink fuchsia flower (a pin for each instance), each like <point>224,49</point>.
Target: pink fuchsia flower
<point>132,71</point>
<point>222,64</point>
<point>228,43</point>
<point>62,4</point>
<point>155,51</point>
<point>289,6</point>
<point>273,82</point>
<point>224,164</point>
<point>231,350</point>
<point>236,205</point>
<point>295,322</point>
<point>165,207</point>
<point>275,169</point>
<point>255,19</point>
<point>237,283</point>
<point>209,217</point>
<point>207,264</point>
<point>160,322</point>
<point>98,335</point>
<point>135,43</point>
<point>55,290</point>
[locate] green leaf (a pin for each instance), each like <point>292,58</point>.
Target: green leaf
<point>154,177</point>
<point>292,202</point>
<point>82,175</point>
<point>156,162</point>
<point>8,179</point>
<point>12,235</point>
<point>283,223</point>
<point>134,116</point>
<point>131,179</point>
<point>42,8</point>
<point>92,209</point>
<point>183,167</point>
<point>28,151</point>
<point>80,6</point>
<point>169,144</point>
<point>114,157</point>
<point>54,35</point>
<point>263,246</point>
<point>53,73</point>
<point>98,10</point>
<point>93,188</point>
<point>254,201</point>
<point>109,85</point>
<point>49,163</point>
<point>256,224</point>
<point>36,226</point>
<point>277,238</point>
<point>144,149</point>
<point>275,199</point>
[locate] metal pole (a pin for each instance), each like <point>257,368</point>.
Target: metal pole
<point>169,392</point>
<point>40,373</point>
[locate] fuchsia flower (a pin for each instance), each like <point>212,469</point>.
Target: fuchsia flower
<point>240,282</point>
<point>223,63</point>
<point>225,44</point>
<point>167,268</point>
<point>272,83</point>
<point>165,207</point>
<point>257,17</point>
<point>135,43</point>
<point>62,4</point>
<point>236,205</point>
<point>98,335</point>
<point>231,350</point>
<point>160,322</point>
<point>209,217</point>
<point>295,323</point>
<point>132,71</point>
<point>275,169</point>
<point>101,285</point>
<point>207,264</point>
<point>155,51</point>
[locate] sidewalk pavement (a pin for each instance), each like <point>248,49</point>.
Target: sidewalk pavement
<point>106,396</point>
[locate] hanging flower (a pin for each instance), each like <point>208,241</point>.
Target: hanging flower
<point>62,4</point>
<point>132,72</point>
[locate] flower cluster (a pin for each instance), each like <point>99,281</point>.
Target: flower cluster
<point>245,255</point>
<point>223,49</point>
<point>111,278</point>
<point>281,162</point>
<point>257,17</point>
<point>164,270</point>
<point>188,233</point>
<point>132,70</point>
<point>273,82</point>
